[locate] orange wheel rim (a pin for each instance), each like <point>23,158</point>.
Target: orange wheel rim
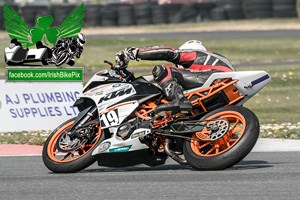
<point>58,156</point>
<point>236,130</point>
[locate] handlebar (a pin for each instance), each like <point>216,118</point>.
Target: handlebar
<point>125,75</point>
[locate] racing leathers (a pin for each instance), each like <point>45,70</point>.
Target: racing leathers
<point>64,51</point>
<point>192,69</point>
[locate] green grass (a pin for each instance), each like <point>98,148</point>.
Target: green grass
<point>24,137</point>
<point>279,101</point>
<point>238,51</point>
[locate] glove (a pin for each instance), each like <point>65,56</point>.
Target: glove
<point>122,59</point>
<point>131,52</point>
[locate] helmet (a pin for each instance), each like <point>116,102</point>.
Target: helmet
<point>81,39</point>
<point>193,45</point>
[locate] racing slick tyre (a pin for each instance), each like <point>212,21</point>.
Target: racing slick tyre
<point>59,156</point>
<point>236,134</point>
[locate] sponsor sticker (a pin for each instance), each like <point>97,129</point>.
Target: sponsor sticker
<point>139,134</point>
<point>116,85</point>
<point>120,149</point>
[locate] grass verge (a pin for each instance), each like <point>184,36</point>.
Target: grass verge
<point>276,106</point>
<point>238,51</point>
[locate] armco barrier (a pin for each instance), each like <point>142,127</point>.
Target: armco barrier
<point>150,12</point>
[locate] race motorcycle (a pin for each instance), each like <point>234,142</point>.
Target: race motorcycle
<point>116,125</point>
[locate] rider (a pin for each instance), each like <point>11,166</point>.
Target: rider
<point>66,48</point>
<point>194,64</point>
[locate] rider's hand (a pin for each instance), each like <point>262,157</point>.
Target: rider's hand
<point>131,52</point>
<point>122,59</point>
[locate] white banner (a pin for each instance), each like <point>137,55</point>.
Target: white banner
<point>36,106</point>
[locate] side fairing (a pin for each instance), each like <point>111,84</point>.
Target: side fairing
<point>115,144</point>
<point>109,100</point>
<point>109,94</point>
<point>115,115</point>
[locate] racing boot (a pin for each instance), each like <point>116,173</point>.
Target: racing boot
<point>179,103</point>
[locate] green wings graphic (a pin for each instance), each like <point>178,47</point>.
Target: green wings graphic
<point>18,29</point>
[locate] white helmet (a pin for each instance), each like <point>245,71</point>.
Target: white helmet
<point>81,39</point>
<point>192,45</point>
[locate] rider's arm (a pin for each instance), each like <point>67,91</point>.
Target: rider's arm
<point>159,53</point>
<point>175,56</point>
<point>154,53</point>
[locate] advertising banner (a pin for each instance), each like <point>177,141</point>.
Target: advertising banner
<point>36,106</point>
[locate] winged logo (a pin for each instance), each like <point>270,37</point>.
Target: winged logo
<point>18,29</point>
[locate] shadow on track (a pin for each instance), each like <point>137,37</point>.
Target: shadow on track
<point>243,165</point>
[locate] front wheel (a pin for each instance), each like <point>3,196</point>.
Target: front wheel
<point>241,132</point>
<point>62,155</point>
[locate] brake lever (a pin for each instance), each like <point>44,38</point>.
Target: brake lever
<point>111,65</point>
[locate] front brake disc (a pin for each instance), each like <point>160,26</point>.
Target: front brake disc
<point>65,144</point>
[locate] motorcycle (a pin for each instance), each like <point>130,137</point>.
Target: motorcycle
<point>116,125</point>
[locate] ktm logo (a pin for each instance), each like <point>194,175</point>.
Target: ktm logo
<point>115,94</point>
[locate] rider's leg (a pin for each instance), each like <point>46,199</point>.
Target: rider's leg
<point>172,90</point>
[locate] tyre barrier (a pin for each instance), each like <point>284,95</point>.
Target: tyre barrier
<point>109,15</point>
<point>218,14</point>
<point>204,10</point>
<point>92,15</point>
<point>2,26</point>
<point>151,13</point>
<point>284,8</point>
<point>190,12</point>
<point>159,14</point>
<point>28,15</point>
<point>234,9</point>
<point>142,13</point>
<point>174,13</point>
<point>60,13</point>
<point>125,15</point>
<point>257,9</point>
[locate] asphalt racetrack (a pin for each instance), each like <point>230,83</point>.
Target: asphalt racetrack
<point>263,174</point>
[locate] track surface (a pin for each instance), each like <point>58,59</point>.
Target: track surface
<point>259,176</point>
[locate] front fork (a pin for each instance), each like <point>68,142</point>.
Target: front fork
<point>83,117</point>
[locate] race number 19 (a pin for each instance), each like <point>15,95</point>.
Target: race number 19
<point>109,119</point>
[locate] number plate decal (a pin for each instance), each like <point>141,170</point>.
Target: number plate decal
<point>110,118</point>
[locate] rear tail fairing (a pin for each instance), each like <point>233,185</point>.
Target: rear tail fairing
<point>248,82</point>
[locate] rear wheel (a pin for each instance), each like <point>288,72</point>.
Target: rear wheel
<point>230,146</point>
<point>62,155</point>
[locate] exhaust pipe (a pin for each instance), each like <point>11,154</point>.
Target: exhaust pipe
<point>171,153</point>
